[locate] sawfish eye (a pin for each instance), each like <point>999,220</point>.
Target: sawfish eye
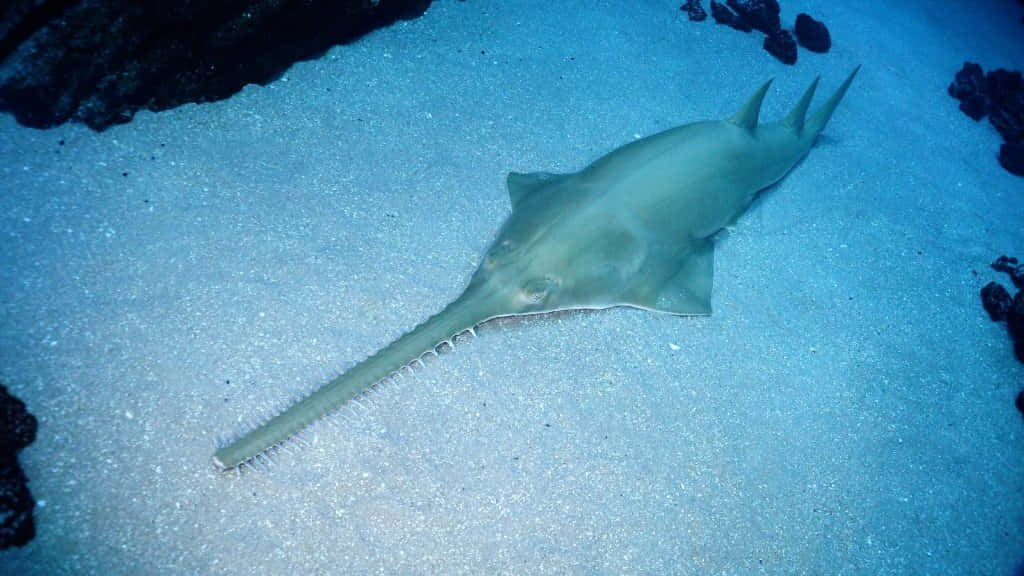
<point>536,290</point>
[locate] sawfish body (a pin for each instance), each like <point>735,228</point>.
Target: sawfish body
<point>634,228</point>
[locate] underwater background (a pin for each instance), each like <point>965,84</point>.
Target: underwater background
<point>847,409</point>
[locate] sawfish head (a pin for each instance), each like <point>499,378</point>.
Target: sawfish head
<point>516,278</point>
<point>566,246</point>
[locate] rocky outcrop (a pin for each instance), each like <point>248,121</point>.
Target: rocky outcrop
<point>99,61</point>
<point>999,94</point>
<point>812,34</point>
<point>1001,307</point>
<point>17,430</point>
<point>694,10</point>
<point>763,16</point>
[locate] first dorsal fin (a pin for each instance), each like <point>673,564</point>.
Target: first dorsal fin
<point>747,116</point>
<point>521,185</point>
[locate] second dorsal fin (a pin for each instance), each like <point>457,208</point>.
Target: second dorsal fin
<point>795,120</point>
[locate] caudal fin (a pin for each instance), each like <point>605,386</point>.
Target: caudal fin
<point>816,123</point>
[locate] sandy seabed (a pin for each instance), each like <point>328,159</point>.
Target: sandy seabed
<point>847,409</point>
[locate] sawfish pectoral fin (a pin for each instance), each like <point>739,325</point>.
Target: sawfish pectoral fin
<point>685,285</point>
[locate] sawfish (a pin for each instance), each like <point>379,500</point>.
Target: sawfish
<point>634,228</point>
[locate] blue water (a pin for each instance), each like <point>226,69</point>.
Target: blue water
<point>847,409</point>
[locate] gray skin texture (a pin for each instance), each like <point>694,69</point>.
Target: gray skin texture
<point>634,228</point>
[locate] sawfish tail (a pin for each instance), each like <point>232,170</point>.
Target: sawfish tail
<point>461,315</point>
<point>817,121</point>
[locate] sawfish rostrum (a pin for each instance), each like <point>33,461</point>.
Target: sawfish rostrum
<point>634,228</point>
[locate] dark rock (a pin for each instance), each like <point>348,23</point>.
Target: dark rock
<point>1002,82</point>
<point>974,104</point>
<point>99,61</point>
<point>694,10</point>
<point>1010,266</point>
<point>724,15</point>
<point>812,34</point>
<point>1005,264</point>
<point>17,430</point>
<point>1020,398</point>
<point>1000,306</point>
<point>17,427</point>
<point>971,89</point>
<point>1011,157</point>
<point>1017,276</point>
<point>780,43</point>
<point>1000,94</point>
<point>761,15</point>
<point>1006,93</point>
<point>1015,317</point>
<point>20,18</point>
<point>996,301</point>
